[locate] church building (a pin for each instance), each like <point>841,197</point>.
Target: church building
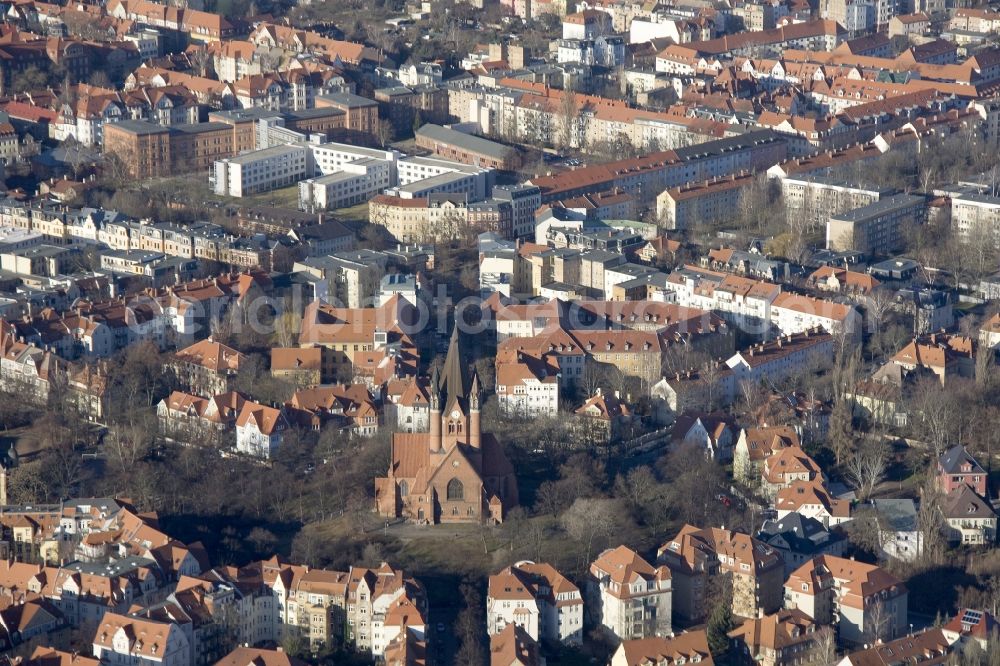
<point>454,473</point>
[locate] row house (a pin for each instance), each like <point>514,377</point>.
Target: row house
<point>695,555</point>
<point>83,118</point>
<point>689,647</point>
<point>185,415</point>
<point>371,595</point>
<point>539,600</point>
<point>352,405</point>
<point>198,25</point>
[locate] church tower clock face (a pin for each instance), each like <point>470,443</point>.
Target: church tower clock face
<point>454,414</point>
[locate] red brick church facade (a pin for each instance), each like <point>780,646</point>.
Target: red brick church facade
<point>454,473</point>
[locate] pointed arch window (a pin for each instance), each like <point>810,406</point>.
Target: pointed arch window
<point>456,491</point>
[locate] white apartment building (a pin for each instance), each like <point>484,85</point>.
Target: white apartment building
<point>537,598</point>
<point>628,596</point>
<point>355,183</point>
<point>527,388</point>
<point>259,430</point>
<point>261,170</point>
<point>476,181</point>
<point>976,216</point>
<point>865,601</point>
<point>122,640</point>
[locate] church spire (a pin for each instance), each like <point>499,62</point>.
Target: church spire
<point>455,376</point>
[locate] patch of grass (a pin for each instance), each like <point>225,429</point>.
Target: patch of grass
<point>357,213</point>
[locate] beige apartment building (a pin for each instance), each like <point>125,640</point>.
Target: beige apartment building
<point>702,203</point>
<point>816,197</point>
<point>878,228</point>
<point>695,555</point>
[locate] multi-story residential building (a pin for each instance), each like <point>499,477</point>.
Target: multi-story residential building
<point>350,279</point>
<point>695,555</point>
<point>261,171</point>
<point>648,176</point>
<point>930,646</point>
<point>783,357</point>
<point>538,599</point>
<point>970,626</point>
<point>467,148</point>
<point>526,387</point>
<point>800,539</point>
<point>877,228</point>
<point>407,405</point>
<point>956,468</point>
<point>864,601</point>
<point>811,499</point>
<point>690,647</point>
<point>786,466</point>
<point>199,25</point>
<point>755,445</point>
<point>361,113</point>
<point>259,430</point>
<point>629,597</point>
<point>816,196</point>
<point>784,638</point>
<point>371,595</point>
<point>969,519</point>
<point>125,640</point>
<point>702,203</point>
<point>352,405</point>
<point>300,366</point>
<point>207,367</point>
<point>183,415</point>
<point>976,217</point>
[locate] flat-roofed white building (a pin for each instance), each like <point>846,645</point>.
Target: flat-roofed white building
<point>262,170</point>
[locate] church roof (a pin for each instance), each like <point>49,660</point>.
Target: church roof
<point>454,379</point>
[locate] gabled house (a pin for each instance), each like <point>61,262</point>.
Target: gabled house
<point>900,534</point>
<point>956,467</point>
<point>971,626</point>
<point>812,500</point>
<point>785,467</point>
<point>690,647</point>
<point>969,519</point>
<point>755,445</point>
<point>259,430</point>
<point>778,639</point>
<point>800,538</point>
<point>712,433</point>
<point>538,599</point>
<point>604,418</point>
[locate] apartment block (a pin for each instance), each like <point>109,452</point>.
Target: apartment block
<point>149,150</point>
<point>815,197</point>
<point>695,555</point>
<point>878,228</point>
<point>701,204</point>
<point>538,599</point>
<point>628,596</point>
<point>261,171</point>
<point>467,148</point>
<point>865,602</point>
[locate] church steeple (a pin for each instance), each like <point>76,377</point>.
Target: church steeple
<point>435,412</point>
<point>454,376</point>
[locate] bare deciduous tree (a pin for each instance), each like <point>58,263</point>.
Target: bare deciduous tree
<point>868,466</point>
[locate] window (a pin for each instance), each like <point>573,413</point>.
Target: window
<point>404,489</point>
<point>456,492</point>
